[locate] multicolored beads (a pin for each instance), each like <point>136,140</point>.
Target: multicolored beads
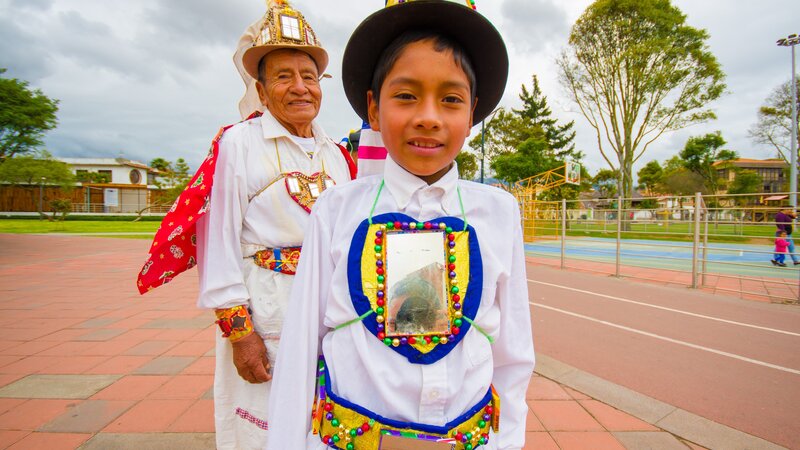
<point>453,290</point>
<point>348,435</point>
<point>479,434</point>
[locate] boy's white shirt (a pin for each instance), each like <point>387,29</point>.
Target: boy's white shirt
<point>362,369</point>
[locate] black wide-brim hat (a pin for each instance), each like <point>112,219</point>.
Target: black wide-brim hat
<point>479,38</point>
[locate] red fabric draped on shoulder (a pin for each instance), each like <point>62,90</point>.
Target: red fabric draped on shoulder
<point>174,248</point>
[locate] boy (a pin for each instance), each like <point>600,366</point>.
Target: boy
<point>414,292</point>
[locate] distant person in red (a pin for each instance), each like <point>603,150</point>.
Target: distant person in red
<point>783,221</point>
<point>781,244</point>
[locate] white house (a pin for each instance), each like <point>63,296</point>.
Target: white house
<point>113,185</point>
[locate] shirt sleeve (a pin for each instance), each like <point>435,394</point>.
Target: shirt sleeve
<point>294,375</point>
<point>513,349</point>
<point>219,251</point>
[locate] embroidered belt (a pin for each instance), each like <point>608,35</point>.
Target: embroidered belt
<point>346,426</point>
<point>283,260</point>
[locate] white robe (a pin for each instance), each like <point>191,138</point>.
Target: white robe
<point>236,226</point>
<point>365,371</point>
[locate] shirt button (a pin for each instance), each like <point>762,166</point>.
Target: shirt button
<point>434,395</point>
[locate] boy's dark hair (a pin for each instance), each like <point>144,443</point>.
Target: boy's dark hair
<point>441,43</point>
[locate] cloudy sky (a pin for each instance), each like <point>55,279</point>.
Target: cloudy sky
<point>154,78</point>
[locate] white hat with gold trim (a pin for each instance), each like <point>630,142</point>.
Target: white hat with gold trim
<point>283,27</point>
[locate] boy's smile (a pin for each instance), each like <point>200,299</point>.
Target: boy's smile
<point>424,112</point>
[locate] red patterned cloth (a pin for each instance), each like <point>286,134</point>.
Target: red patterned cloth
<point>174,247</point>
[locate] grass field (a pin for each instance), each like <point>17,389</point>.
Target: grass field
<point>143,229</point>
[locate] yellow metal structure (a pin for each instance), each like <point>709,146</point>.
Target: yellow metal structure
<point>527,191</point>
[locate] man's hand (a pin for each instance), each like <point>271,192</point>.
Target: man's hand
<point>250,359</point>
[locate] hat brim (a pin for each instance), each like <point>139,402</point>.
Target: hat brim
<point>479,38</point>
<point>253,55</point>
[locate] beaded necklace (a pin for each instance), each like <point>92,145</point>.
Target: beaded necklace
<point>374,288</point>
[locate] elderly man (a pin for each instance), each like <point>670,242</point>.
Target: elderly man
<point>267,173</point>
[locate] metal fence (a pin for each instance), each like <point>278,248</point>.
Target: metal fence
<point>122,208</point>
<point>722,243</point>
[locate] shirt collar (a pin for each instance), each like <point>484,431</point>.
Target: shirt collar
<point>402,184</point>
<point>273,129</point>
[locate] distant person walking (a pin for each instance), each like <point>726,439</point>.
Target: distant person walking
<point>783,221</point>
<point>781,244</point>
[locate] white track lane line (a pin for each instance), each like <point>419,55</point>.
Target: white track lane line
<point>678,311</point>
<point>674,341</point>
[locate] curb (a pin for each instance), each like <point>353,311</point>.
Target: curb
<point>679,422</point>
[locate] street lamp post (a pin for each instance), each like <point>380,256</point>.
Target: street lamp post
<point>791,41</point>
<point>41,195</point>
<point>483,138</point>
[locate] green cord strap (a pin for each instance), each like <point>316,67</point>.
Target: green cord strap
<point>480,330</point>
<point>375,203</point>
<point>461,203</point>
<point>359,319</point>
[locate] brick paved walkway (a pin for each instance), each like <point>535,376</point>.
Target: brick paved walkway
<point>87,362</point>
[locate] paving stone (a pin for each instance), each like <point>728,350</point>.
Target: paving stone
<point>150,441</point>
<point>649,440</point>
<point>99,322</point>
<point>209,394</point>
<point>89,416</point>
<point>589,440</point>
<point>170,323</point>
<point>102,334</point>
<point>50,441</point>
<point>57,386</point>
<point>711,434</point>
<point>166,365</point>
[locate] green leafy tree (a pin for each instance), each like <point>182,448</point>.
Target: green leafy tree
<point>25,115</point>
<point>605,181</point>
<point>636,70</point>
<point>701,153</point>
<point>33,169</point>
<point>650,176</point>
<point>507,130</point>
<point>467,165</point>
<point>746,182</point>
<point>683,182</point>
<point>536,113</point>
<point>161,164</point>
<point>774,126</point>
<point>533,157</point>
<point>501,134</point>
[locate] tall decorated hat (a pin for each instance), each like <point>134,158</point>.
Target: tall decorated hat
<point>283,27</point>
<point>459,20</point>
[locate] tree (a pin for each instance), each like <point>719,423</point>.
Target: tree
<point>502,134</point>
<point>701,153</point>
<point>774,126</point>
<point>746,182</point>
<point>29,170</point>
<point>161,164</point>
<point>533,157</point>
<point>683,182</point>
<point>650,176</point>
<point>636,70</point>
<point>467,165</point>
<point>536,113</point>
<point>506,131</point>
<point>605,181</point>
<point>25,115</point>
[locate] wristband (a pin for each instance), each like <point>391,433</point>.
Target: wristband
<point>235,322</point>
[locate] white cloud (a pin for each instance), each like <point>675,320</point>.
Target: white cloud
<point>154,78</point>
